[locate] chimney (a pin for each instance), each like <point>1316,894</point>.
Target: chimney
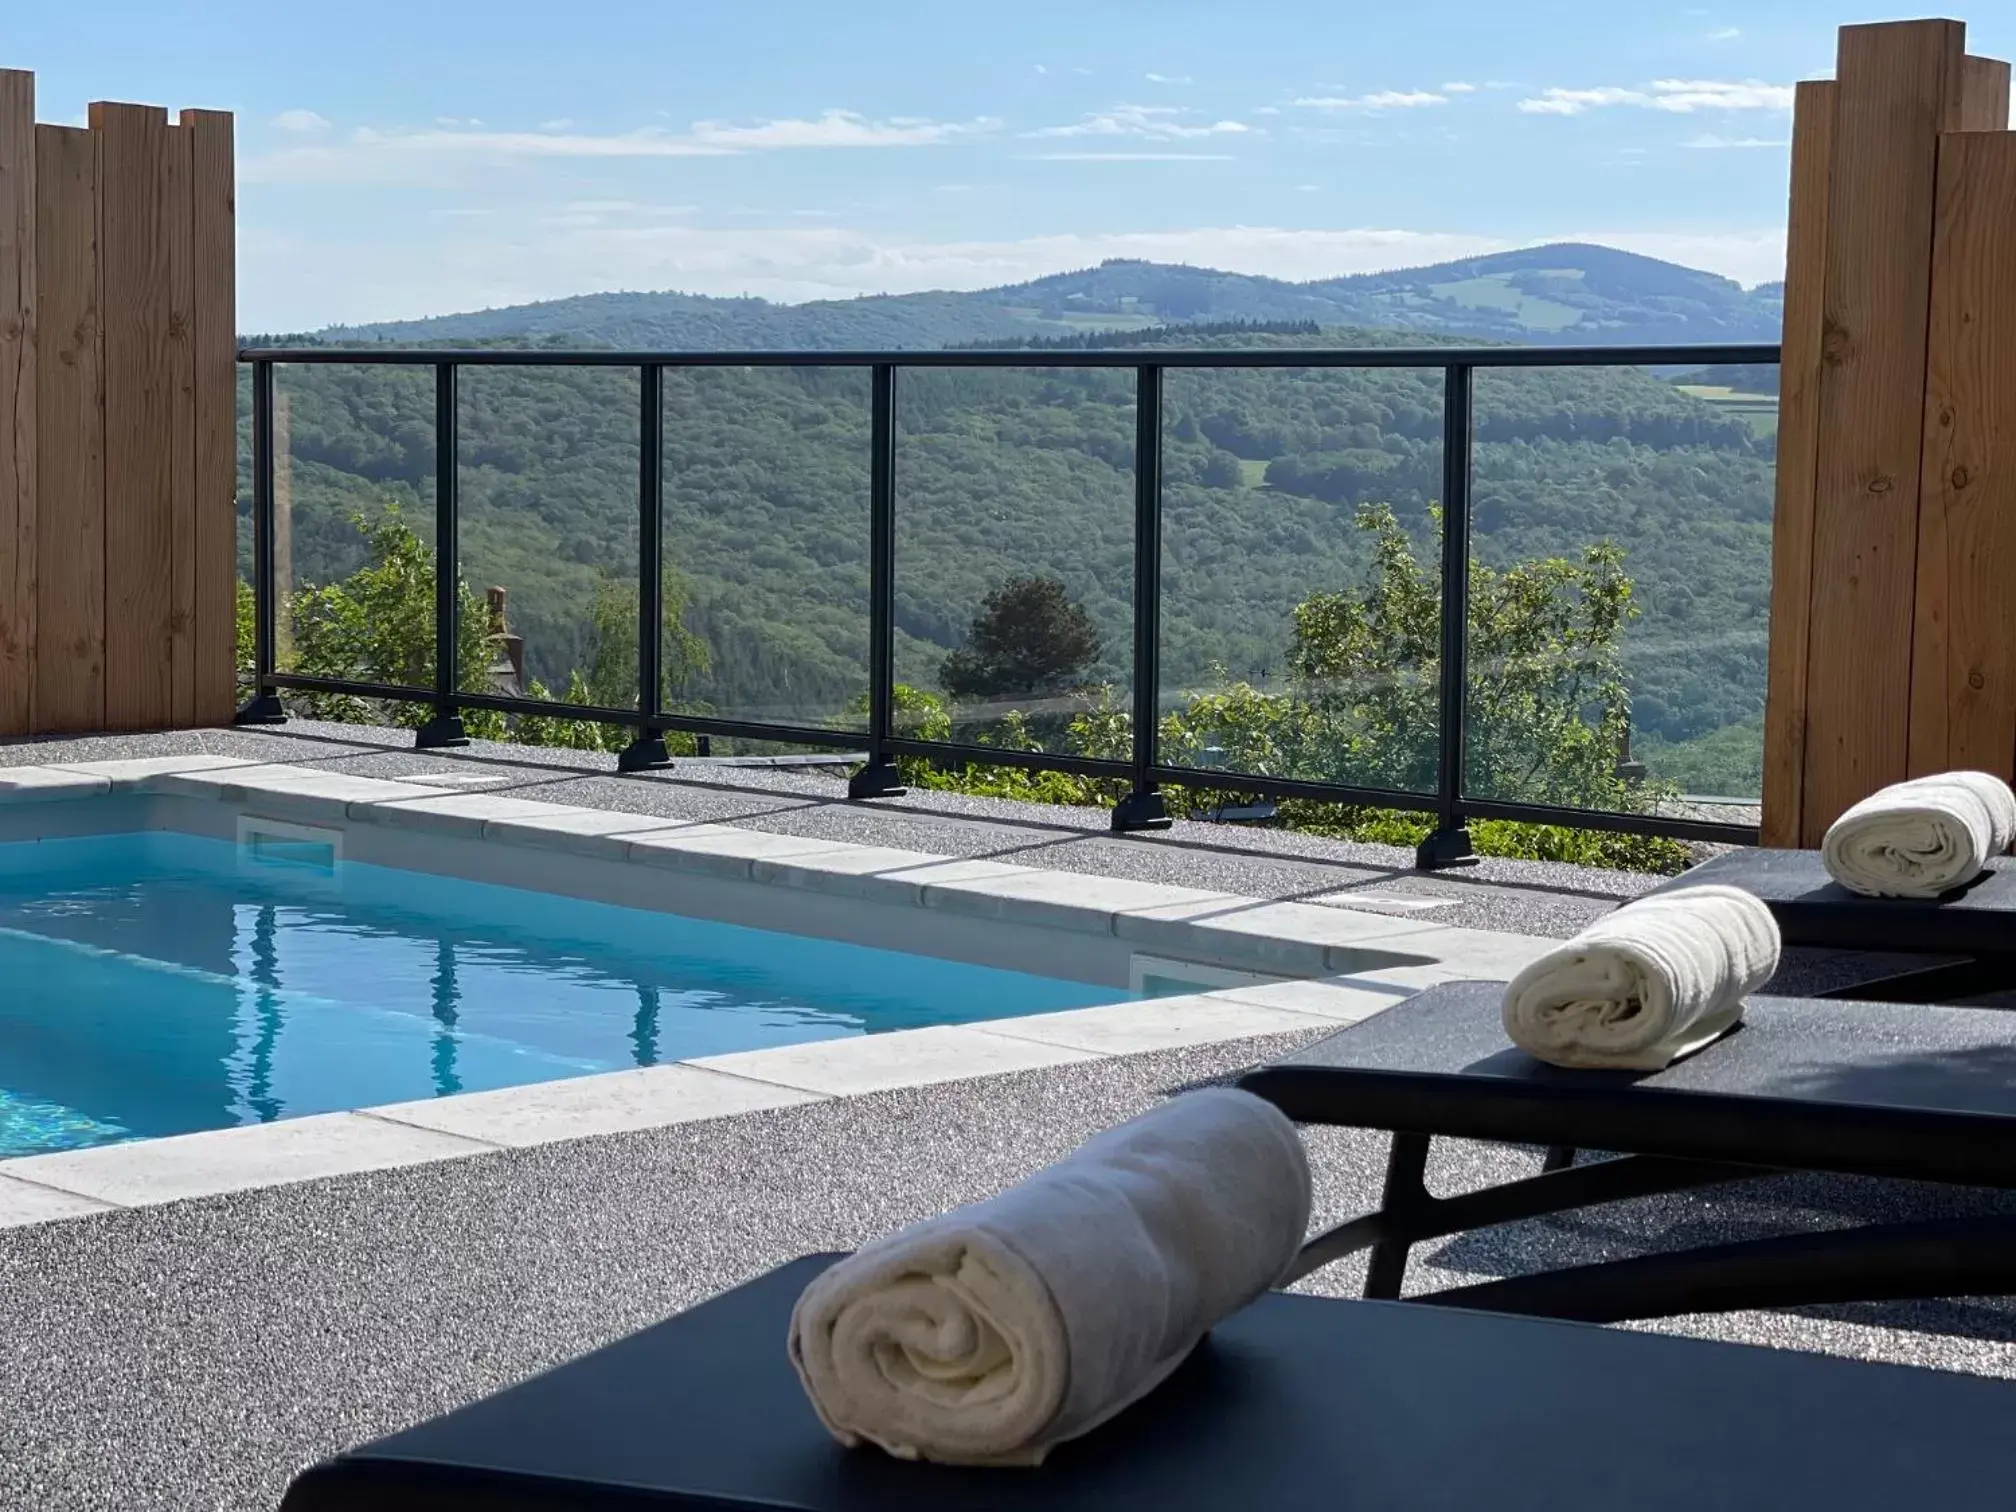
<point>508,673</point>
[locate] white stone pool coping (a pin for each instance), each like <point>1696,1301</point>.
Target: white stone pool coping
<point>1337,966</point>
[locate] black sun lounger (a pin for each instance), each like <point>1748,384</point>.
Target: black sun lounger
<point>1911,1091</point>
<point>1295,1402</point>
<point>1976,922</point>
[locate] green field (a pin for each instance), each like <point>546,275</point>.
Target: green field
<point>1758,411</point>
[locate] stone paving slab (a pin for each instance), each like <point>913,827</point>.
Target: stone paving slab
<point>1513,896</point>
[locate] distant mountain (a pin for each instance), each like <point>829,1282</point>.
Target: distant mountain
<point>1570,293</point>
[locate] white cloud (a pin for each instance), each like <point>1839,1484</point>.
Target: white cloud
<point>1039,68</point>
<point>953,188</point>
<point>300,281</point>
<point>1162,123</point>
<point>561,123</point>
<point>1385,99</point>
<point>1458,86</point>
<point>1126,157</point>
<point>431,156</point>
<point>1308,188</point>
<point>838,128</point>
<point>1678,96</point>
<point>1155,78</point>
<point>300,122</point>
<point>1711,140</point>
<point>1725,34</point>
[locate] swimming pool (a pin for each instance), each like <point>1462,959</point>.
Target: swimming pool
<point>159,983</point>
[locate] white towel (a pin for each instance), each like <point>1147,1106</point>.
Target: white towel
<point>1641,987</point>
<point>997,1331</point>
<point>1921,838</point>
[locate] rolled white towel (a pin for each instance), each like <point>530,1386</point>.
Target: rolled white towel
<point>997,1331</point>
<point>1921,838</point>
<point>1641,987</point>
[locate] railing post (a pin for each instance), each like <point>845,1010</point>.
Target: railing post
<point>264,706</point>
<point>648,749</point>
<point>445,728</point>
<point>880,777</point>
<point>1449,843</point>
<point>1144,807</point>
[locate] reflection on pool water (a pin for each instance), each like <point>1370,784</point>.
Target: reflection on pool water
<point>158,983</point>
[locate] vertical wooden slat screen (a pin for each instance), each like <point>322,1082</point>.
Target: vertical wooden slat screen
<point>18,494</point>
<point>70,644</point>
<point>1798,440</point>
<point>118,425</point>
<point>1896,448</point>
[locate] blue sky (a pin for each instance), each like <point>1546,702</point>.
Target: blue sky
<point>434,155</point>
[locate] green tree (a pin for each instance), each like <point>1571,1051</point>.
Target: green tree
<point>1548,706</point>
<point>377,625</point>
<point>611,674</point>
<point>1029,638</point>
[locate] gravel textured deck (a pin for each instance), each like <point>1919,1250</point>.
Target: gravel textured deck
<point>195,1355</point>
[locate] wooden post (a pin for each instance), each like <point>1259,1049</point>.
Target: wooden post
<point>1964,678</point>
<point>214,346</point>
<point>1798,443</point>
<point>70,648</point>
<point>1890,645</point>
<point>118,429</point>
<point>139,415</point>
<point>1898,88</point>
<point>17,400</point>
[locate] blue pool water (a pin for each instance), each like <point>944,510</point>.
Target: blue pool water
<point>160,983</point>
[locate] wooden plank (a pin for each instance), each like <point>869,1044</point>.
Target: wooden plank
<point>1984,94</point>
<point>70,649</point>
<point>1983,105</point>
<point>139,413</point>
<point>1970,452</point>
<point>17,400</point>
<point>1798,441</point>
<point>177,171</point>
<point>213,244</point>
<point>1897,88</point>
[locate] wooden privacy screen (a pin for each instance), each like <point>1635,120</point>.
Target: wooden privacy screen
<point>1893,607</point>
<point>118,430</point>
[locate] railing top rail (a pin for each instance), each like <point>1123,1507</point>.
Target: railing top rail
<point>1735,354</point>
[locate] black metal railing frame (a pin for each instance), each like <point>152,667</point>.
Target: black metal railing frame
<point>1143,807</point>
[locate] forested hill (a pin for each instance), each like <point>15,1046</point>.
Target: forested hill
<point>1568,293</point>
<point>1006,472</point>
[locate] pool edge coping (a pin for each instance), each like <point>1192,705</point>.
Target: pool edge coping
<point>1318,952</point>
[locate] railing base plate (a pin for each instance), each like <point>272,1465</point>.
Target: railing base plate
<point>440,732</point>
<point>878,779</point>
<point>1142,809</point>
<point>261,709</point>
<point>646,753</point>
<point>1445,847</point>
